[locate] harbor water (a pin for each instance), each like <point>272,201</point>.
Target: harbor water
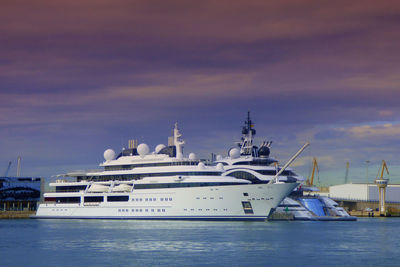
<point>367,242</point>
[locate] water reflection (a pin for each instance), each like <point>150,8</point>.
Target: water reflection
<point>102,242</point>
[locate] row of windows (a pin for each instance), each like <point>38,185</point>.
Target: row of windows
<point>87,199</point>
<point>265,162</point>
<point>175,185</point>
<point>92,199</point>
<point>129,177</point>
<point>273,172</point>
<point>210,198</point>
<point>131,166</point>
<point>71,188</point>
<point>151,210</point>
<point>204,209</point>
<point>152,199</point>
<point>141,210</point>
<point>248,176</point>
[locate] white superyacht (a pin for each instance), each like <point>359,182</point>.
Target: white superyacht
<point>162,184</point>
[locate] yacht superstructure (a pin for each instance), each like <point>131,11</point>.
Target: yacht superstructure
<point>139,184</point>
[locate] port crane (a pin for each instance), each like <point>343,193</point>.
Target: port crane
<point>310,180</point>
<point>382,183</point>
<point>381,170</point>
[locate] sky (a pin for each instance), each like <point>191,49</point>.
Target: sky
<point>78,77</point>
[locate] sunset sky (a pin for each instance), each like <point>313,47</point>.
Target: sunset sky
<point>78,77</point>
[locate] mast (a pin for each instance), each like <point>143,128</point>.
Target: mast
<point>18,166</point>
<point>178,142</point>
<point>248,132</point>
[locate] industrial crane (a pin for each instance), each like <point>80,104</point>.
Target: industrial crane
<point>382,170</point>
<point>310,181</point>
<point>382,183</point>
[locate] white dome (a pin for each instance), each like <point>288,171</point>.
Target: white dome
<point>201,165</point>
<point>109,154</point>
<point>143,149</point>
<point>234,153</point>
<point>192,156</point>
<point>159,148</point>
<point>220,166</point>
<point>218,157</point>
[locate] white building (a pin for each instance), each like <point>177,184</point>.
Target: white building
<point>364,192</point>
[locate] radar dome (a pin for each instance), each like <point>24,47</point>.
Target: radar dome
<point>109,154</point>
<point>192,156</point>
<point>234,153</point>
<point>159,148</point>
<point>201,165</point>
<point>218,157</point>
<point>143,149</point>
<point>220,167</point>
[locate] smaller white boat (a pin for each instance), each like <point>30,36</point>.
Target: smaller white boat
<point>122,188</point>
<point>98,188</point>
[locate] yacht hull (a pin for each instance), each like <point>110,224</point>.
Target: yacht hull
<point>233,202</point>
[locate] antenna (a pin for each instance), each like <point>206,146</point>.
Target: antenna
<point>7,170</point>
<point>346,177</point>
<point>18,166</point>
<point>246,148</point>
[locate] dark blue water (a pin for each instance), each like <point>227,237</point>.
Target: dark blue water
<point>367,242</point>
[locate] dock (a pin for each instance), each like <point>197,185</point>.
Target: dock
<point>16,214</point>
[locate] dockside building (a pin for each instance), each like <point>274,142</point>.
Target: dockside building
<point>20,193</point>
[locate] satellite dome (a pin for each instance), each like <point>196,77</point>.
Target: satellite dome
<point>109,154</point>
<point>220,166</point>
<point>201,165</point>
<point>234,153</point>
<point>159,148</point>
<point>218,157</point>
<point>192,156</point>
<point>143,149</point>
